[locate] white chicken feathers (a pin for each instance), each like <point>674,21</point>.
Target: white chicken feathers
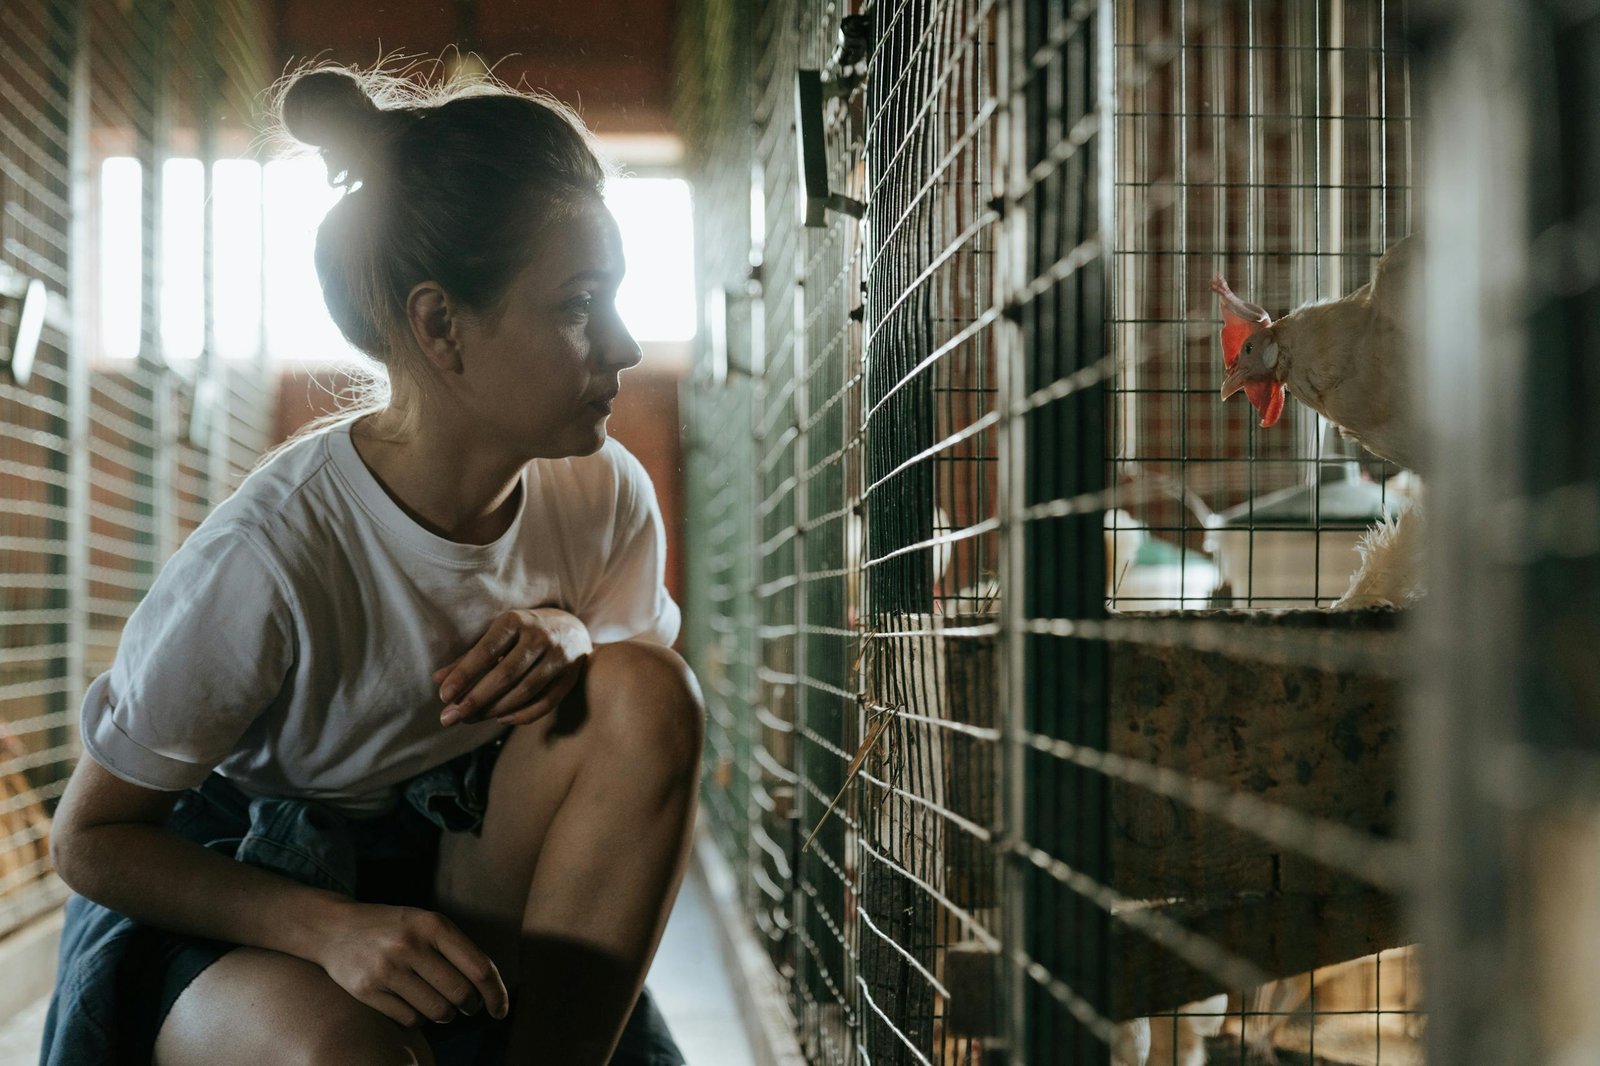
<point>1393,570</point>
<point>1348,359</point>
<point>1177,1039</point>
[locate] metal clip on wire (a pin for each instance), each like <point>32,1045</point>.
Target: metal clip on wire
<point>815,199</point>
<point>19,354</point>
<point>847,67</point>
<point>719,305</point>
<point>204,394</point>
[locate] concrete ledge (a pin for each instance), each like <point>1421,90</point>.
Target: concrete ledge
<point>756,985</point>
<point>28,963</point>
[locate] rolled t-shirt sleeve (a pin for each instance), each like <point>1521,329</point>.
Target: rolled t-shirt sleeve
<point>630,599</point>
<point>205,652</point>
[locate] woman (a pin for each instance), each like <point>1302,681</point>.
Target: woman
<point>465,578</point>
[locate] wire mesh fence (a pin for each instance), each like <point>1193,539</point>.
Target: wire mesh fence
<point>35,110</point>
<point>979,808</point>
<point>108,462</point>
<point>1270,144</point>
<point>930,563</point>
<point>1507,699</point>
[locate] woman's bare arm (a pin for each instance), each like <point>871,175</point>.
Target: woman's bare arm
<point>109,844</point>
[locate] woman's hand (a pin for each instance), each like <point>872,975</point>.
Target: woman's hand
<point>520,670</point>
<point>409,964</point>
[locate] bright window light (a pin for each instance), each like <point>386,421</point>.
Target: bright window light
<point>266,220</point>
<point>297,195</point>
<point>183,312</point>
<point>758,207</point>
<point>657,298</point>
<point>236,261</point>
<point>121,257</point>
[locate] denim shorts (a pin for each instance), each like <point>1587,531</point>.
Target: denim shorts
<point>118,979</point>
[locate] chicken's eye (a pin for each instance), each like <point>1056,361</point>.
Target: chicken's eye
<point>1249,346</point>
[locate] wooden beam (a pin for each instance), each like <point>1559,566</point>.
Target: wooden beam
<point>1282,935</point>
<point>1323,743</point>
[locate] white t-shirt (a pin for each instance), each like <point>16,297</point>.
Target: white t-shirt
<point>290,643</point>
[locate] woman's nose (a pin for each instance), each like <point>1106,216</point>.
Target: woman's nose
<point>621,350</point>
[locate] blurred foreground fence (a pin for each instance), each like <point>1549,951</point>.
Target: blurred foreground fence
<point>107,458</point>
<point>987,803</point>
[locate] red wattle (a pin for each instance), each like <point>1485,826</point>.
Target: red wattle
<point>1271,401</point>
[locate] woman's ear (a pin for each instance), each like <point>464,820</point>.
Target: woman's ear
<point>432,316</point>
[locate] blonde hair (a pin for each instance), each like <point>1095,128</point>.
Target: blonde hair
<point>451,182</point>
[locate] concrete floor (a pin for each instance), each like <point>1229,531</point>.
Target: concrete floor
<point>690,983</point>
<point>19,1038</point>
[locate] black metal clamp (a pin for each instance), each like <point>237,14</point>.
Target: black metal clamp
<point>815,198</point>
<point>846,70</point>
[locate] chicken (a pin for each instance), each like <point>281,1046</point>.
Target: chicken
<point>1393,560</point>
<point>1132,1045</point>
<point>1366,1010</point>
<point>1345,359</point>
<point>1177,1039</point>
<point>1268,1009</point>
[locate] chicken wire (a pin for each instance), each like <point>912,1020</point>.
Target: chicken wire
<point>926,803</point>
<point>108,464</point>
<point>1507,699</point>
<point>871,514</point>
<point>35,616</point>
<point>984,811</point>
<point>746,756</point>
<point>1270,143</point>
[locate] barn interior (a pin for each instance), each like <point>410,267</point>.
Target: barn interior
<point>1144,594</point>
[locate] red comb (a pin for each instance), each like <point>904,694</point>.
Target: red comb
<point>1239,320</point>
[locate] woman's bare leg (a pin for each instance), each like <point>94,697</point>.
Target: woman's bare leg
<point>254,1006</point>
<point>582,851</point>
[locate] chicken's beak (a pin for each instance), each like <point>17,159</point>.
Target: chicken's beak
<point>1259,363</point>
<point>1236,379</point>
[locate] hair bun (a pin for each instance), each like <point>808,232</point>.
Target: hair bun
<point>330,110</point>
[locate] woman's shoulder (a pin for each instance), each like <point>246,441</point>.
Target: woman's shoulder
<point>282,500</point>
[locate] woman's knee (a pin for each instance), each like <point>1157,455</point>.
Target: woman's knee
<point>260,1006</point>
<point>645,697</point>
<point>355,1040</point>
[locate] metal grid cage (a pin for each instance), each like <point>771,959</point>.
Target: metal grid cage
<point>985,810</point>
<point>926,800</point>
<point>1269,143</point>
<point>107,465</point>
<point>1506,701</point>
<point>746,752</point>
<point>35,685</point>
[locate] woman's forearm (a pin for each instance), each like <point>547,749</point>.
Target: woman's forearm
<point>156,877</point>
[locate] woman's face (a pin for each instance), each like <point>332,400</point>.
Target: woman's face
<point>541,377</point>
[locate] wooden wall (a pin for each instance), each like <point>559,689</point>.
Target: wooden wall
<point>612,59</point>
